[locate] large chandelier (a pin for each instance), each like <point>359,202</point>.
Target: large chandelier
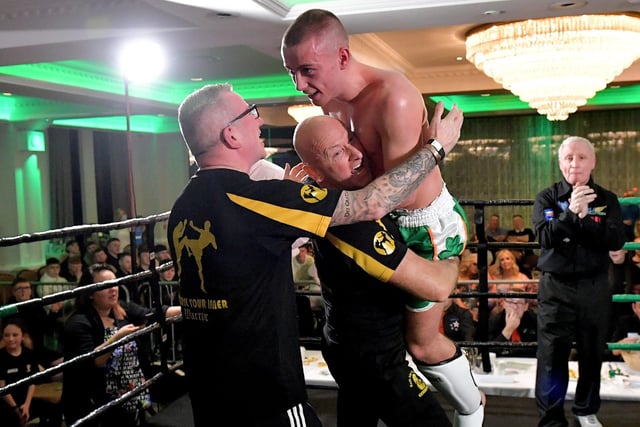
<point>556,64</point>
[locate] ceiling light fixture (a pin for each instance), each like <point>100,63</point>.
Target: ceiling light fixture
<point>556,64</point>
<point>142,60</point>
<point>303,111</point>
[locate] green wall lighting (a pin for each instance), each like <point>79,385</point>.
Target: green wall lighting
<point>7,105</point>
<point>35,141</point>
<point>482,104</point>
<point>139,123</point>
<point>275,87</point>
<point>19,108</point>
<point>91,76</point>
<point>474,103</point>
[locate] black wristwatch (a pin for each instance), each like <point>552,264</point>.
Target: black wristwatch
<point>436,149</point>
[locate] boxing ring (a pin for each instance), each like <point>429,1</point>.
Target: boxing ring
<point>159,327</point>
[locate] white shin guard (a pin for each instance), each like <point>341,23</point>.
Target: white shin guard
<point>474,419</point>
<point>454,380</point>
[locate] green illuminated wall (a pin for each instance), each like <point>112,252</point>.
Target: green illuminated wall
<point>618,96</point>
<point>94,77</point>
<point>24,190</point>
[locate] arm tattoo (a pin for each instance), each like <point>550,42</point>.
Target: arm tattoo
<point>386,192</point>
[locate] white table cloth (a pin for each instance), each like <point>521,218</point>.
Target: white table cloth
<point>513,377</point>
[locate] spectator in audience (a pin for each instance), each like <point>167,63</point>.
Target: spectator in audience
<point>513,322</point>
<point>42,326</point>
<point>169,296</point>
<point>88,252</point>
<point>144,257</point>
<point>467,271</point>
<point>168,292</point>
<point>124,264</point>
<point>161,251</point>
<point>75,269</point>
<point>113,251</point>
<point>99,256</point>
<point>304,271</point>
<point>168,275</point>
<point>303,264</point>
<point>51,273</point>
<point>505,268</point>
<point>17,362</point>
<point>457,322</point>
<point>51,282</point>
<point>99,319</point>
<point>72,249</point>
<point>128,290</point>
<point>495,233</point>
<point>526,258</point>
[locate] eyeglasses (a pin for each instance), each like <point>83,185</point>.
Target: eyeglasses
<point>253,110</point>
<point>23,289</point>
<point>515,302</point>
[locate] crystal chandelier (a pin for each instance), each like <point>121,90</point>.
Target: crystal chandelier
<point>556,64</point>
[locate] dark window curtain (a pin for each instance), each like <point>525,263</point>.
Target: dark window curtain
<point>64,170</point>
<point>112,175</point>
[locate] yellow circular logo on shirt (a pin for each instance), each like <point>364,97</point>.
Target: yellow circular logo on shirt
<point>312,194</point>
<point>383,243</point>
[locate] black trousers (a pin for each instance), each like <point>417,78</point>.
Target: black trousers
<point>570,310</point>
<point>381,386</point>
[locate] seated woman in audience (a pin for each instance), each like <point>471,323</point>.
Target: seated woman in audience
<point>505,268</point>
<point>513,321</point>
<point>98,320</point>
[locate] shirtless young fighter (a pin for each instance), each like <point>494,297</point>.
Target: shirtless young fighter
<point>386,112</point>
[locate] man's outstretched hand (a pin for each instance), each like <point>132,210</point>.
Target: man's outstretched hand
<point>445,129</point>
<point>295,173</point>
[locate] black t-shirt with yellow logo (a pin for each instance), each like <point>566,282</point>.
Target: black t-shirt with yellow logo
<point>230,239</point>
<point>354,263</point>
